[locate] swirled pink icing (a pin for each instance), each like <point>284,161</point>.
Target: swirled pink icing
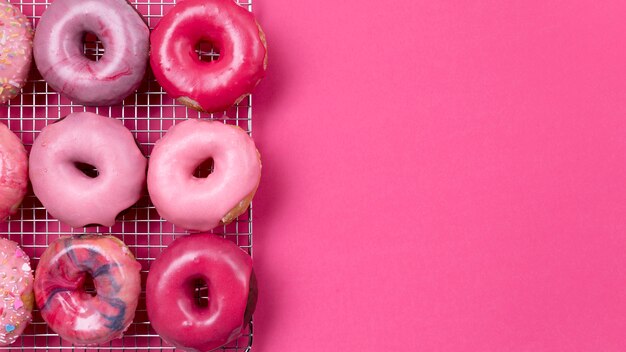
<point>59,50</point>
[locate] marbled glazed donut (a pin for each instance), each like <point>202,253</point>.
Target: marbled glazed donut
<point>16,291</point>
<point>208,86</point>
<point>200,204</point>
<point>67,192</point>
<point>13,172</point>
<point>69,310</point>
<point>59,50</point>
<point>174,312</point>
<point>16,48</point>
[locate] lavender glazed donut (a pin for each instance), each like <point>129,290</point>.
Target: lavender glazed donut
<point>208,86</point>
<point>16,48</point>
<point>200,204</point>
<point>58,49</point>
<point>71,195</point>
<point>13,172</point>
<point>16,291</point>
<point>69,310</point>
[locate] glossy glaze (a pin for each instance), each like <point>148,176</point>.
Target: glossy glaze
<point>172,309</point>
<point>16,49</point>
<point>73,313</point>
<point>208,86</point>
<point>13,172</point>
<point>16,291</point>
<point>58,50</point>
<point>67,193</point>
<point>200,204</point>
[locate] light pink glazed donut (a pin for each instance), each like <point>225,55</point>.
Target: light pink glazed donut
<point>59,50</point>
<point>200,204</point>
<point>16,291</point>
<point>16,48</point>
<point>68,309</point>
<point>69,193</point>
<point>13,172</point>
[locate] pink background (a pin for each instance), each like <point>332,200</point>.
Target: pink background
<point>442,176</point>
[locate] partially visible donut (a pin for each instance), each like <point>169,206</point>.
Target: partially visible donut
<point>177,316</point>
<point>16,48</point>
<point>13,172</point>
<point>208,86</point>
<point>70,195</point>
<point>200,204</point>
<point>59,50</point>
<point>16,291</point>
<point>69,310</point>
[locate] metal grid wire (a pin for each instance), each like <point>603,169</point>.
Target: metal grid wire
<point>148,114</point>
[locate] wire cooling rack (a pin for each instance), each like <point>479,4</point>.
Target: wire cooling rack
<point>148,114</point>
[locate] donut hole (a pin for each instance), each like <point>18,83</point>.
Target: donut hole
<point>87,169</point>
<point>93,48</point>
<point>89,287</point>
<point>204,169</point>
<point>207,52</point>
<point>200,293</point>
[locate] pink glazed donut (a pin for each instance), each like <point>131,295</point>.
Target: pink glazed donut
<point>69,310</point>
<point>13,172</point>
<point>58,49</point>
<point>200,204</point>
<point>208,86</point>
<point>16,291</point>
<point>16,48</point>
<point>78,197</point>
<point>227,272</point>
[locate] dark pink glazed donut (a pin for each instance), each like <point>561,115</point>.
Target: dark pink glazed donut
<point>200,204</point>
<point>13,172</point>
<point>208,86</point>
<point>58,50</point>
<point>174,312</point>
<point>71,195</point>
<point>69,310</point>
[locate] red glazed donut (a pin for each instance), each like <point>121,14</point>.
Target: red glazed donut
<point>13,172</point>
<point>207,202</point>
<point>208,86</point>
<point>174,312</point>
<point>69,194</point>
<point>74,314</point>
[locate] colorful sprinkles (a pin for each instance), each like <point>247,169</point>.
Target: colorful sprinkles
<point>16,284</point>
<point>16,42</point>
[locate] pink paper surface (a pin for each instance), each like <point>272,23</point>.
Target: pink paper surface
<point>442,176</point>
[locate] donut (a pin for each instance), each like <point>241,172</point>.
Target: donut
<point>16,48</point>
<point>208,86</point>
<point>77,196</point>
<point>58,50</point>
<point>200,204</point>
<point>71,311</point>
<point>174,311</point>
<point>13,172</point>
<point>16,291</point>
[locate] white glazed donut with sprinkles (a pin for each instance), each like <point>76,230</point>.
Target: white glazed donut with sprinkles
<point>16,291</point>
<point>16,48</point>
